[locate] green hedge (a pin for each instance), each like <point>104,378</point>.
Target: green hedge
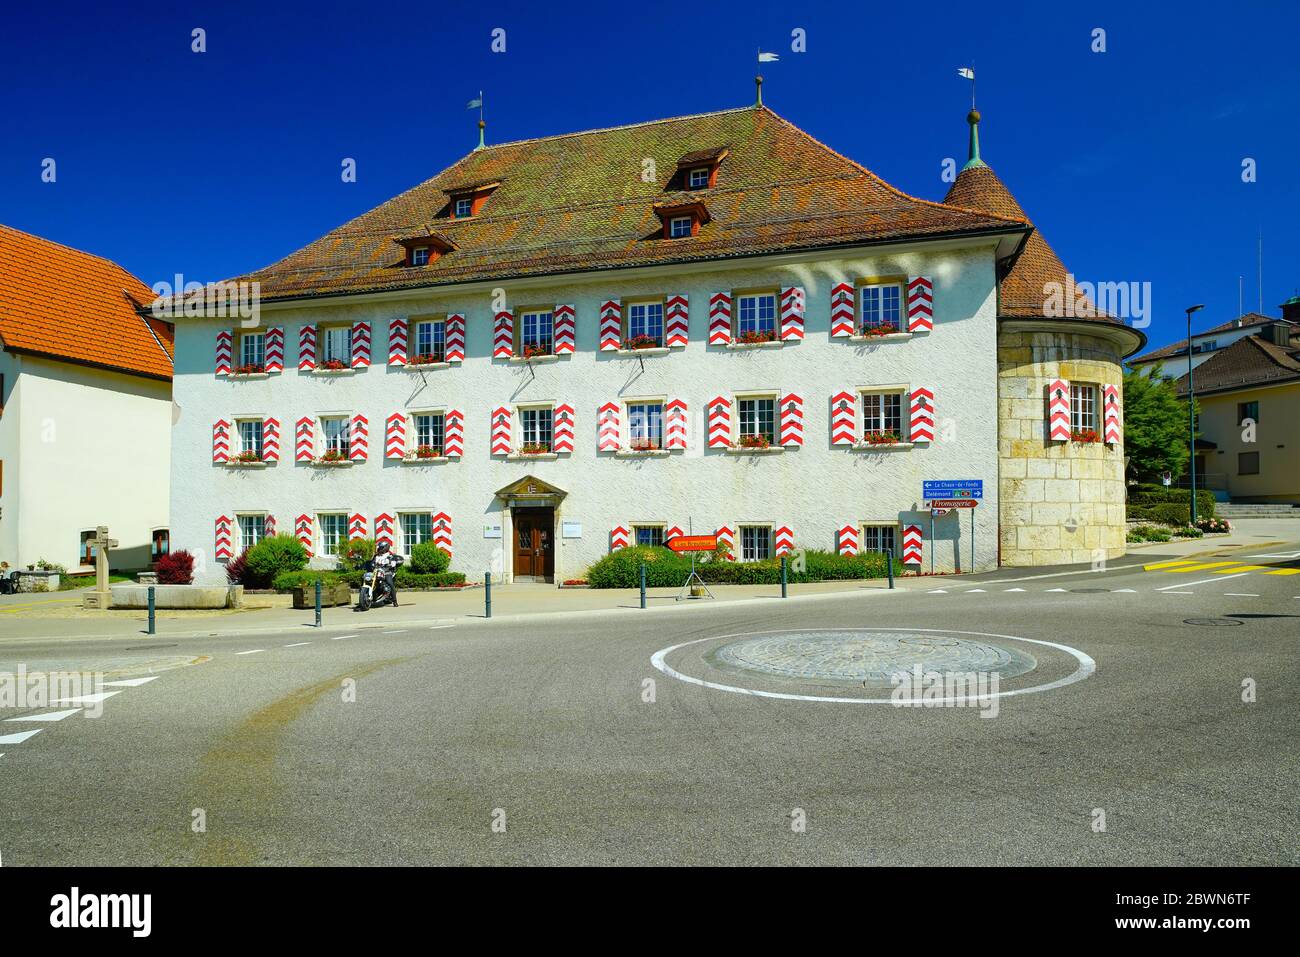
<point>288,581</point>
<point>1149,533</point>
<point>1143,496</point>
<point>667,569</point>
<point>407,579</point>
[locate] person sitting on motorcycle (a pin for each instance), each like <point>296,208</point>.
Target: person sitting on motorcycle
<point>386,564</point>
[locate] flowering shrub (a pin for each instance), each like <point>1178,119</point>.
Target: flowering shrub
<point>176,568</point>
<point>251,369</point>
<point>879,329</point>
<point>425,359</point>
<point>756,336</point>
<point>533,352</point>
<point>427,452</point>
<point>640,342</point>
<point>334,365</point>
<point>535,448</point>
<point>757,441</point>
<point>1084,435</point>
<point>1214,525</point>
<point>334,455</point>
<point>888,437</point>
<point>248,455</point>
<point>575,581</point>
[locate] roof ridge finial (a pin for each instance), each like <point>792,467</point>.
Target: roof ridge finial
<point>973,159</point>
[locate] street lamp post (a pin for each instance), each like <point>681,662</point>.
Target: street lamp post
<point>1191,408</point>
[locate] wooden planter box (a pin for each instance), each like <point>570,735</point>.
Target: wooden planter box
<point>339,593</point>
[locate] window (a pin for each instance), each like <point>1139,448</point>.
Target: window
<point>430,341</point>
<point>252,529</point>
<point>160,544</point>
<point>882,412</point>
<point>333,532</point>
<point>1083,407</point>
<point>337,436</point>
<point>535,333</point>
<point>679,227</point>
<point>420,256</point>
<point>1248,410</point>
<point>1209,345</point>
<point>337,344</point>
<point>87,550</point>
<point>878,538</point>
<point>649,534</point>
<point>756,315</point>
<point>464,207</point>
<point>645,425</point>
<point>252,351</point>
<point>698,178</point>
<point>1247,463</point>
<point>758,419</point>
<point>250,436</point>
<point>879,307</point>
<point>429,430</point>
<point>536,428</point>
<point>417,528</point>
<point>755,543</point>
<point>646,319</point>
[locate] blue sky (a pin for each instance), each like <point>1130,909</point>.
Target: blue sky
<point>213,164</point>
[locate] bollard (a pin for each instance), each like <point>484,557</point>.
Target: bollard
<point>151,610</point>
<point>318,603</point>
<point>487,594</point>
<point>785,576</point>
<point>889,559</point>
<point>643,586</point>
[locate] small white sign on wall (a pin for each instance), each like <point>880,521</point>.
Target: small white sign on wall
<point>491,531</point>
<point>571,529</point>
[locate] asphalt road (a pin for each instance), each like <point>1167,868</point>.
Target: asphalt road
<point>510,742</point>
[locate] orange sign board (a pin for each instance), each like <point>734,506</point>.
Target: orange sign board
<point>954,503</point>
<point>693,543</point>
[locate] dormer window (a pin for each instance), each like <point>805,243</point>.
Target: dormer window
<point>423,250</point>
<point>466,201</point>
<point>698,178</point>
<point>681,220</point>
<point>698,169</point>
<point>420,256</point>
<point>679,227</point>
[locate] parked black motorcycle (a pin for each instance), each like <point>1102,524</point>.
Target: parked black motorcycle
<point>377,584</point>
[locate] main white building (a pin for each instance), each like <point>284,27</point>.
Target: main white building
<point>713,323</point>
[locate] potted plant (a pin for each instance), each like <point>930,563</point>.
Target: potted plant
<point>643,444</point>
<point>247,456</point>
<point>756,441</point>
<point>427,452</point>
<point>536,351</point>
<point>640,342</point>
<point>753,337</point>
<point>535,448</point>
<point>882,437</point>
<point>252,368</point>
<point>333,456</point>
<point>879,329</point>
<point>334,365</point>
<point>425,359</point>
<point>1084,435</point>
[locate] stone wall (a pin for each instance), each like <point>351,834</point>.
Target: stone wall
<point>1062,502</point>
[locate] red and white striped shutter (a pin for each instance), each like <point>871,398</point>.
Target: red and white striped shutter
<point>304,440</point>
<point>501,430</point>
<point>566,329</point>
<point>455,338</point>
<point>912,545</point>
<point>608,430</point>
<point>676,425</point>
<point>719,422</point>
<point>562,432</point>
<point>720,319</point>
<point>384,525</point>
<point>847,539</point>
<point>922,415</point>
<point>397,332</point>
<point>1110,406</point>
<point>503,335</point>
<point>677,323</point>
<point>268,524</point>
<point>360,345</point>
<point>307,348</point>
<point>920,304</point>
<point>727,536</point>
<point>619,537</point>
<point>442,531</point>
<point>359,438</point>
<point>1058,411</point>
<point>220,441</point>
<point>792,309</point>
<point>842,310</point>
<point>356,526</point>
<point>453,437</point>
<point>611,325</point>
<point>225,549</point>
<point>784,540</point>
<point>792,420</point>
<point>270,440</point>
<point>673,531</point>
<point>843,414</point>
<point>395,436</point>
<point>225,348</point>
<point>305,529</point>
<point>275,349</point>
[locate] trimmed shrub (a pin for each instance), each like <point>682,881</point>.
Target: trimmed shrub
<point>428,559</point>
<point>176,568</point>
<point>1149,495</point>
<point>270,558</point>
<point>236,567</point>
<point>288,581</point>
<point>667,569</point>
<point>411,581</point>
<point>1149,533</point>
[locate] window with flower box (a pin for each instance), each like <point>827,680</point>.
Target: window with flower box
<point>536,335</point>
<point>430,431</point>
<point>252,353</point>
<point>882,417</point>
<point>252,529</point>
<point>756,317</point>
<point>755,543</point>
<point>333,532</point>
<point>645,324</point>
<point>756,418</point>
<point>880,308</point>
<point>535,430</point>
<point>336,432</point>
<point>250,439</point>
<point>430,342</point>
<point>417,528</point>
<point>1083,411</point>
<point>645,426</point>
<point>336,347</point>
<point>648,534</point>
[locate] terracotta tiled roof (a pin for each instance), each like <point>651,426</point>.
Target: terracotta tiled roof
<point>1248,362</point>
<point>577,202</point>
<point>1180,348</point>
<point>67,304</point>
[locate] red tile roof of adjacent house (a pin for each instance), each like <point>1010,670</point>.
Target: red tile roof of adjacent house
<point>1180,348</point>
<point>67,304</point>
<point>578,202</point>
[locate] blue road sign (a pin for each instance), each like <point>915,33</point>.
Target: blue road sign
<point>953,488</point>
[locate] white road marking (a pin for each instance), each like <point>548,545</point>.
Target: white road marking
<point>401,631</point>
<point>1058,589</point>
<point>1221,578</point>
<point>130,682</point>
<point>938,591</point>
<point>1131,591</point>
<point>971,591</point>
<point>298,644</point>
<point>18,738</point>
<point>255,651</point>
<point>1290,555</point>
<point>48,715</point>
<point>1179,592</point>
<point>1239,594</point>
<point>1013,589</point>
<point>95,698</point>
<point>341,637</point>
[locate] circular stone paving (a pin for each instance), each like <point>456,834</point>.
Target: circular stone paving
<point>867,655</point>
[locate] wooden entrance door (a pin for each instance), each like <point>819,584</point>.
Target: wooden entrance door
<point>534,542</point>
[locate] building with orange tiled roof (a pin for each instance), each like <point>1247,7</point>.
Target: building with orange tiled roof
<point>712,323</point>
<point>85,429</point>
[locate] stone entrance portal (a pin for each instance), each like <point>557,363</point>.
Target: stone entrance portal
<point>531,509</point>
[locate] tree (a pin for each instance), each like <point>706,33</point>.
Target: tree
<point>1155,426</point>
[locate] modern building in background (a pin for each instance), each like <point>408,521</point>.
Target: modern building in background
<point>714,323</point>
<point>1170,362</point>
<point>85,428</point>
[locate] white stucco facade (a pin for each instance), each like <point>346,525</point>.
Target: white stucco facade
<point>814,490</point>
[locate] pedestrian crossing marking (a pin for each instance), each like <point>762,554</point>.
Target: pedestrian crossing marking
<point>47,716</point>
<point>1159,565</point>
<point>1284,571</point>
<point>18,738</point>
<point>1242,568</point>
<point>1202,566</point>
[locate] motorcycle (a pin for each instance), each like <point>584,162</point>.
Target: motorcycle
<point>377,588</point>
